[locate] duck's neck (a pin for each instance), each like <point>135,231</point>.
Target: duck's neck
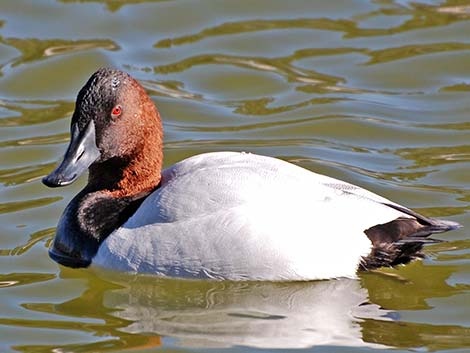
<point>87,221</point>
<point>115,190</point>
<point>133,173</point>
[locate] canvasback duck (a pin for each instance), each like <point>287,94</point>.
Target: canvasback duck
<point>221,215</point>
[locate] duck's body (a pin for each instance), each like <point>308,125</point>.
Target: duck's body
<point>228,215</point>
<point>243,216</point>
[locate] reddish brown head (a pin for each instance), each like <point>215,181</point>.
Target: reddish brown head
<point>117,134</point>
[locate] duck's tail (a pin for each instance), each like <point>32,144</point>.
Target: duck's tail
<point>401,240</point>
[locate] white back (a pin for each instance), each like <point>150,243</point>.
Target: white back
<point>239,216</point>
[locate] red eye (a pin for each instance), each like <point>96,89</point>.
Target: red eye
<point>117,110</point>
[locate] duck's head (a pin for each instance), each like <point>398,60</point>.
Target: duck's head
<point>116,134</point>
<point>115,131</point>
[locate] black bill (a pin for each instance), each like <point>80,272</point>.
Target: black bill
<point>81,153</point>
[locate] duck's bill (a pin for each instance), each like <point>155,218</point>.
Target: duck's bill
<point>81,153</point>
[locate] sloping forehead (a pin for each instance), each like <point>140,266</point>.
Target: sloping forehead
<point>99,95</point>
<point>104,83</point>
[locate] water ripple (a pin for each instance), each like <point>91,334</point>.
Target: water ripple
<point>15,206</point>
<point>33,49</point>
<point>371,92</point>
<point>33,112</point>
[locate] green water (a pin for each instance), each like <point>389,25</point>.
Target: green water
<point>372,92</point>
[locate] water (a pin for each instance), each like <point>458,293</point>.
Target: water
<point>372,92</point>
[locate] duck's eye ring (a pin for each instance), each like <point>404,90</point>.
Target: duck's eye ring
<point>117,110</point>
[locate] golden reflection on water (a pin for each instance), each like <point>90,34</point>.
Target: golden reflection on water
<point>419,16</point>
<point>139,311</point>
<point>34,49</point>
<point>375,93</point>
<point>18,113</point>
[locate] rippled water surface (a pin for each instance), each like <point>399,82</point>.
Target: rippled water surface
<point>373,92</point>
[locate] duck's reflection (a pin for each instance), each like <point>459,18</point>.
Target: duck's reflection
<point>263,315</point>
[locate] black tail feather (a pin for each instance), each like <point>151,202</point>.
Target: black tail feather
<point>401,240</point>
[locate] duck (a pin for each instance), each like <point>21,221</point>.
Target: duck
<point>217,215</point>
